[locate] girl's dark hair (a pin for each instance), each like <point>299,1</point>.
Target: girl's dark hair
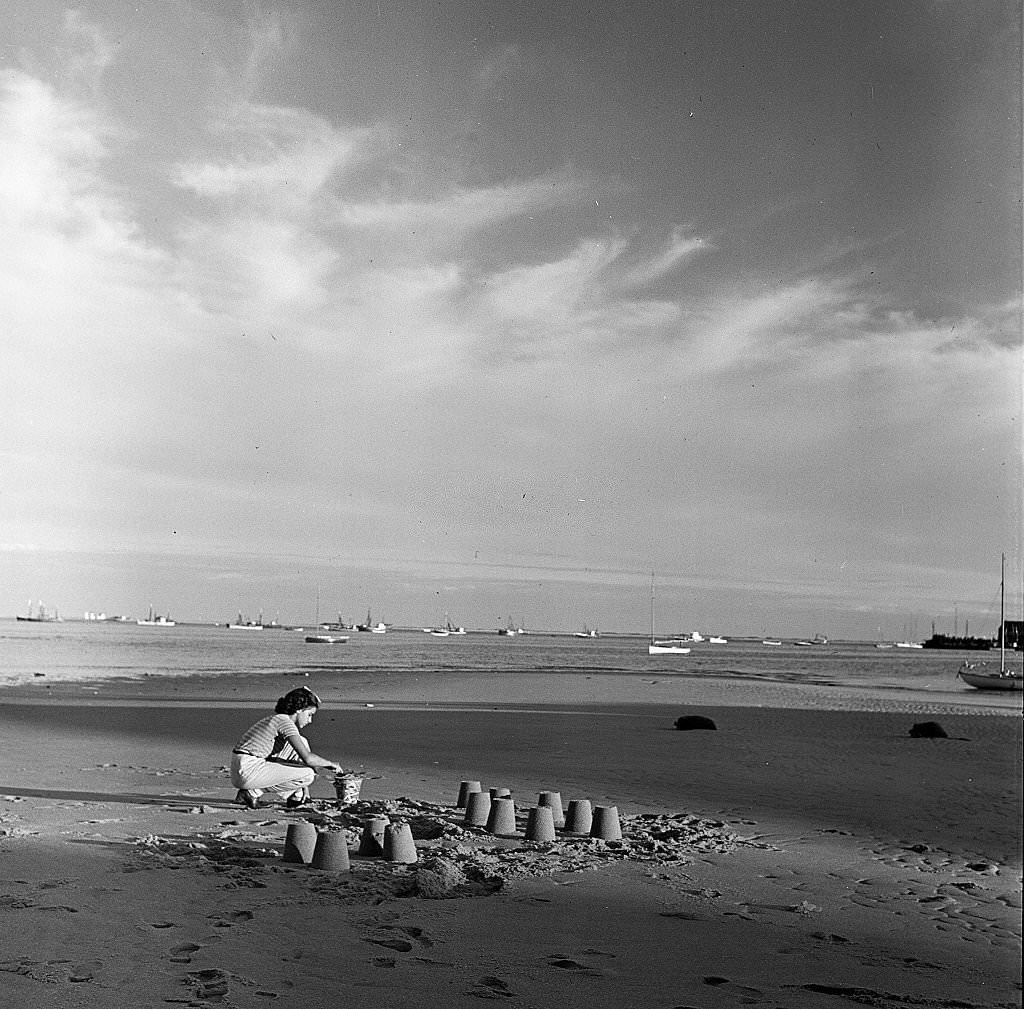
<point>296,700</point>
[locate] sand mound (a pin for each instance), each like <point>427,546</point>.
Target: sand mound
<point>454,860</point>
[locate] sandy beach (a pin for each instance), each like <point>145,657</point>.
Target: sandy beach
<point>807,852</point>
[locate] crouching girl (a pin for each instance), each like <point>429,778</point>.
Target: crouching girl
<point>274,756</point>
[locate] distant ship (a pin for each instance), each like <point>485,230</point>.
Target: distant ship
<point>818,639</point>
<point>41,616</point>
<point>241,624</point>
<point>155,621</point>
<point>326,639</point>
<point>446,629</point>
<point>373,628</point>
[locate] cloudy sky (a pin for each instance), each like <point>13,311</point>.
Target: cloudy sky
<point>495,308</point>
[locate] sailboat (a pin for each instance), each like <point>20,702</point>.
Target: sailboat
<point>670,647</point>
<point>981,675</point>
<point>324,639</point>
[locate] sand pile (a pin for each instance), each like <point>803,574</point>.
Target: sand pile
<point>453,860</point>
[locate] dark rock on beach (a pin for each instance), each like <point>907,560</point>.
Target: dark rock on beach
<point>686,722</point>
<point>928,730</point>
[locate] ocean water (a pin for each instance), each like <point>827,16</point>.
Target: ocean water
<point>73,651</point>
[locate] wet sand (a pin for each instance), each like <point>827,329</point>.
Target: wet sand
<point>810,857</point>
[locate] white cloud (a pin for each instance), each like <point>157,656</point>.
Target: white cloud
<point>679,248</point>
<point>88,53</point>
<point>459,210</point>
<point>50,179</point>
<point>550,293</point>
<point>280,157</point>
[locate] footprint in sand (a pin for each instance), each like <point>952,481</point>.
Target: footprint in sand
<point>81,973</point>
<point>567,963</point>
<point>211,984</point>
<point>721,982</point>
<point>399,945</point>
<point>183,952</point>
<point>227,919</point>
<point>54,884</point>
<point>491,987</point>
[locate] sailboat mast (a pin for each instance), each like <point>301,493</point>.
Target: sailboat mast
<point>652,607</point>
<point>1002,614</point>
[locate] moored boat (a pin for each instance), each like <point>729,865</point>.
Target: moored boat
<point>984,676</point>
<point>155,621</point>
<point>241,624</point>
<point>510,629</point>
<point>372,628</point>
<point>667,648</point>
<point>975,675</point>
<point>446,630</point>
<point>326,639</point>
<point>41,616</point>
<point>664,646</point>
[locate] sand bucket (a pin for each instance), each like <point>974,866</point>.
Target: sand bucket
<point>606,823</point>
<point>554,801</point>
<point>580,817</point>
<point>299,842</point>
<point>398,843</point>
<point>478,807</point>
<point>371,843</point>
<point>501,819</point>
<point>331,852</point>
<point>540,824</point>
<point>347,787</point>
<point>466,788</point>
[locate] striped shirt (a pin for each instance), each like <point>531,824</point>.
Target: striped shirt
<point>268,736</point>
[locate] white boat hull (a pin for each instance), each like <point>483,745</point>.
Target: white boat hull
<point>667,650</point>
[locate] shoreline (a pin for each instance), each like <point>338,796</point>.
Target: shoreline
<point>572,690</point>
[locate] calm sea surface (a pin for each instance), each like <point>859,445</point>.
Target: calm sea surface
<point>35,653</point>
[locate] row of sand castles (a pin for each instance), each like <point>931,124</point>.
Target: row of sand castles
<point>493,810</point>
